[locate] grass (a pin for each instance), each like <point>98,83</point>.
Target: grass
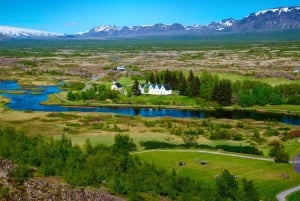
<point>267,176</point>
<point>270,80</point>
<point>279,108</point>
<point>294,196</point>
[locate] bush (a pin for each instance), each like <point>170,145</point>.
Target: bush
<point>156,145</point>
<point>272,132</point>
<point>240,149</point>
<point>279,153</point>
<point>22,173</point>
<point>220,134</point>
<point>203,146</point>
<point>237,137</point>
<point>4,191</point>
<point>294,134</point>
<point>294,100</point>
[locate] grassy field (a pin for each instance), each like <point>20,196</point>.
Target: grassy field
<point>268,176</point>
<point>294,196</point>
<point>101,128</point>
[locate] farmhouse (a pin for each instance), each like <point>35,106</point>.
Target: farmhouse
<point>121,68</point>
<point>118,87</point>
<point>155,89</point>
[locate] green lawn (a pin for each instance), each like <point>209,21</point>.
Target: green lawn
<point>267,176</point>
<point>294,196</point>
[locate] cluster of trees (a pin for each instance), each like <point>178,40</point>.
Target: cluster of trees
<point>97,92</point>
<point>228,188</point>
<point>278,152</point>
<point>225,92</point>
<point>191,85</point>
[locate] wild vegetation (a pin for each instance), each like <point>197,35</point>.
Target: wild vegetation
<point>254,75</point>
<point>111,167</point>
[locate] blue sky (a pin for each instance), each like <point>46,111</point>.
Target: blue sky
<point>72,16</point>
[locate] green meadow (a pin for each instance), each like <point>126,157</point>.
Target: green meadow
<point>269,177</point>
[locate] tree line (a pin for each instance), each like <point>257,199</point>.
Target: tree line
<point>206,86</point>
<point>225,92</point>
<point>112,167</point>
<point>96,92</point>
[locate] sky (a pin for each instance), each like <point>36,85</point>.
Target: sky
<point>74,16</point>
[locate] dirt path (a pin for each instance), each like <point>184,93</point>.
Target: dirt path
<point>210,152</point>
<point>281,196</point>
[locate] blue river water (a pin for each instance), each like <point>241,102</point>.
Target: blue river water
<point>29,99</point>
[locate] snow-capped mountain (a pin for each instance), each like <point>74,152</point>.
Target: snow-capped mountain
<point>272,19</point>
<point>157,29</point>
<point>113,31</point>
<point>15,32</point>
<point>267,20</point>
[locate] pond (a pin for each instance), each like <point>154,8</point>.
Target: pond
<point>29,99</point>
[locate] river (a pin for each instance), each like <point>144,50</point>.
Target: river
<point>29,99</point>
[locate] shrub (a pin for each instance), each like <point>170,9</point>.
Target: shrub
<point>294,134</point>
<point>272,132</point>
<point>22,173</point>
<point>237,137</point>
<point>156,145</point>
<point>240,149</point>
<point>4,191</point>
<point>240,125</point>
<point>279,153</point>
<point>220,134</point>
<point>274,142</point>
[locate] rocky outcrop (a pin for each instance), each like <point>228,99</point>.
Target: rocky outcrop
<point>38,189</point>
<point>5,167</point>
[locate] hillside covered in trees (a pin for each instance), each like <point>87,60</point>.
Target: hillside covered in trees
<point>111,167</point>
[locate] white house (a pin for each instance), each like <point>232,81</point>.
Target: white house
<point>121,68</point>
<point>118,87</point>
<point>155,89</point>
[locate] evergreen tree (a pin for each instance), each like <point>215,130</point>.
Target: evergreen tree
<point>207,83</point>
<point>152,78</point>
<point>279,153</point>
<point>182,86</point>
<point>227,187</point>
<point>196,87</point>
<point>71,96</point>
<point>222,92</point>
<point>246,100</point>
<point>249,191</point>
<point>157,78</point>
<point>124,143</point>
<point>174,80</point>
<point>191,77</point>
<point>135,88</point>
<point>167,77</point>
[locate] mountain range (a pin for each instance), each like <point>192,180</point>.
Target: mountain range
<point>283,18</point>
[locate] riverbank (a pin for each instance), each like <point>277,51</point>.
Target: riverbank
<point>60,99</point>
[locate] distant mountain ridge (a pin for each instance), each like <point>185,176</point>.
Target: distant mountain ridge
<point>15,32</point>
<point>272,19</point>
<point>275,19</point>
<point>157,29</point>
<point>267,20</point>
